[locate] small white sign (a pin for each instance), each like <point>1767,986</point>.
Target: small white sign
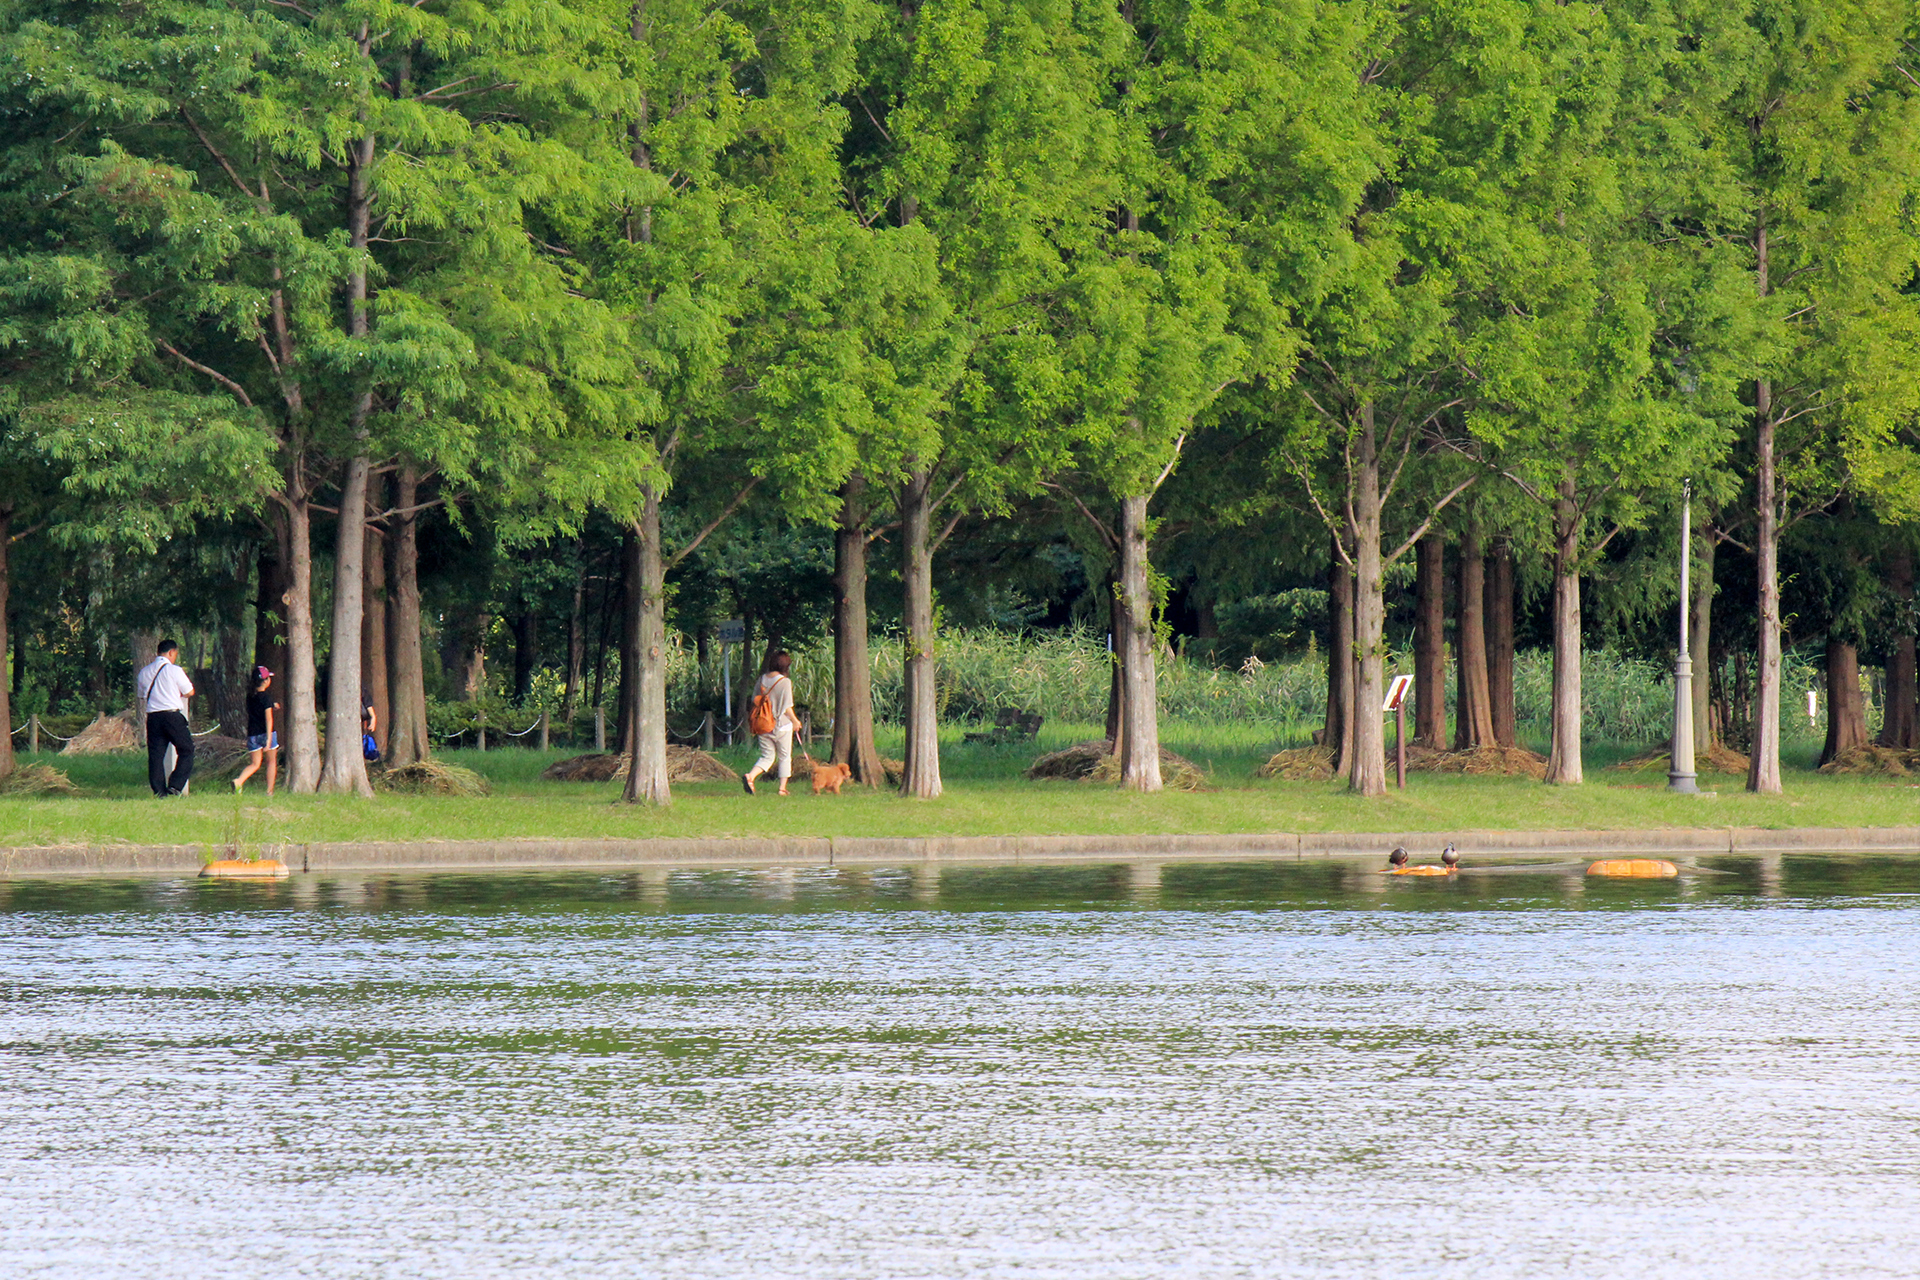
<point>1397,692</point>
<point>733,631</point>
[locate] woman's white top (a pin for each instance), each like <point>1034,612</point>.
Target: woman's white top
<point>779,691</point>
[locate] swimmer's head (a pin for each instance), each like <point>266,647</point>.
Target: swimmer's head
<point>1397,858</point>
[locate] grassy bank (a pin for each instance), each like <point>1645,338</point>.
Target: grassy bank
<point>985,796</point>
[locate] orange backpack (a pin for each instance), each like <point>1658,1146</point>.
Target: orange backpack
<point>760,712</point>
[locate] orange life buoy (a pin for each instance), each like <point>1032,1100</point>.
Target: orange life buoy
<point>237,869</point>
<point>1634,868</point>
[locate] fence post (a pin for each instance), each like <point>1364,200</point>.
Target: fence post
<point>33,733</point>
<point>706,732</point>
<point>599,728</point>
<point>480,723</point>
<point>543,731</point>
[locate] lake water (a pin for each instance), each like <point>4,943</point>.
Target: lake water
<point>1247,1069</point>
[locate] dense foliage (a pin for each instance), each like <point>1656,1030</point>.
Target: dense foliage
<point>467,355</point>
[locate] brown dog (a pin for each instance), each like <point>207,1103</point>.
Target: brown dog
<point>828,777</point>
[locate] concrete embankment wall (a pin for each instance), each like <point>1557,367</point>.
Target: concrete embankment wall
<point>473,855</point>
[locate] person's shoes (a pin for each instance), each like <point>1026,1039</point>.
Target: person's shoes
<point>746,781</point>
<point>237,784</point>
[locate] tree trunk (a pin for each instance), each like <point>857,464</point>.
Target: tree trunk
<point>407,680</point>
<point>1846,709</point>
<point>1899,726</point>
<point>916,572</point>
<point>630,571</point>
<point>1430,642</point>
<point>1337,735</point>
<point>6,588</point>
<point>1140,712</point>
<point>1116,645</point>
<point>1763,775</point>
<point>373,635</point>
<point>1475,688</point>
<point>526,655</point>
<point>647,716</point>
<point>852,671</point>
<point>1706,732</point>
<point>303,724</point>
<point>346,767</point>
<point>1367,774</point>
<point>577,639</point>
<point>1499,611</point>
<point>1564,759</point>
<point>270,611</point>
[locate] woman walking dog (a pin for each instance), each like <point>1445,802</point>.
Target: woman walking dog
<point>771,717</point>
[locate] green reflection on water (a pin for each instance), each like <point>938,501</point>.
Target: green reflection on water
<point>1283,884</point>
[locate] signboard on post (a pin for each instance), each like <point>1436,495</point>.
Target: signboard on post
<point>1397,693</point>
<point>1397,703</point>
<point>732,631</point>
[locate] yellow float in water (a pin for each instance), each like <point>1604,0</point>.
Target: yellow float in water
<point>1421,871</point>
<point>239,869</point>
<point>1634,868</point>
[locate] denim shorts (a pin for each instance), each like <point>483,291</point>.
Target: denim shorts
<point>260,741</point>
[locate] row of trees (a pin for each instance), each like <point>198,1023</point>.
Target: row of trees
<point>1507,270</point>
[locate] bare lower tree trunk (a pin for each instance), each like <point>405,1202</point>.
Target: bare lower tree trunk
<point>1116,645</point>
<point>1846,708</point>
<point>1430,642</point>
<point>1499,610</point>
<point>1338,733</point>
<point>303,723</point>
<point>1367,774</point>
<point>577,640</point>
<point>526,654</point>
<point>1140,715</point>
<point>346,767</point>
<point>916,571</point>
<point>6,686</point>
<point>270,614</point>
<point>647,779</point>
<point>1474,684</point>
<point>373,633</point>
<point>1706,733</point>
<point>1564,759</point>
<point>407,676</point>
<point>1763,775</point>
<point>1899,726</point>
<point>852,671</point>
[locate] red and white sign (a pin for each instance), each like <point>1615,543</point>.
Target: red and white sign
<point>1397,692</point>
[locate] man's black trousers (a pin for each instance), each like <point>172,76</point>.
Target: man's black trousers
<point>168,729</point>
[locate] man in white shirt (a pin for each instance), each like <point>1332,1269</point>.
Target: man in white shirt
<point>164,689</point>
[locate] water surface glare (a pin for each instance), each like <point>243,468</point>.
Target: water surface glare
<point>1245,1069</point>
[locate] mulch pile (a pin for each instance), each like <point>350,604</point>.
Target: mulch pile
<point>430,778</point>
<point>1887,762</point>
<point>1094,761</point>
<point>107,735</point>
<point>37,780</point>
<point>684,764</point>
<point>1299,764</point>
<point>1506,762</point>
<point>1718,758</point>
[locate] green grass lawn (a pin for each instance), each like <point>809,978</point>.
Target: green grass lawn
<point>985,795</point>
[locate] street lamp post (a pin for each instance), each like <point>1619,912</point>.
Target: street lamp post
<point>1680,776</point>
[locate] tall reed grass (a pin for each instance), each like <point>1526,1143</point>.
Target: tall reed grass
<point>1064,676</point>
